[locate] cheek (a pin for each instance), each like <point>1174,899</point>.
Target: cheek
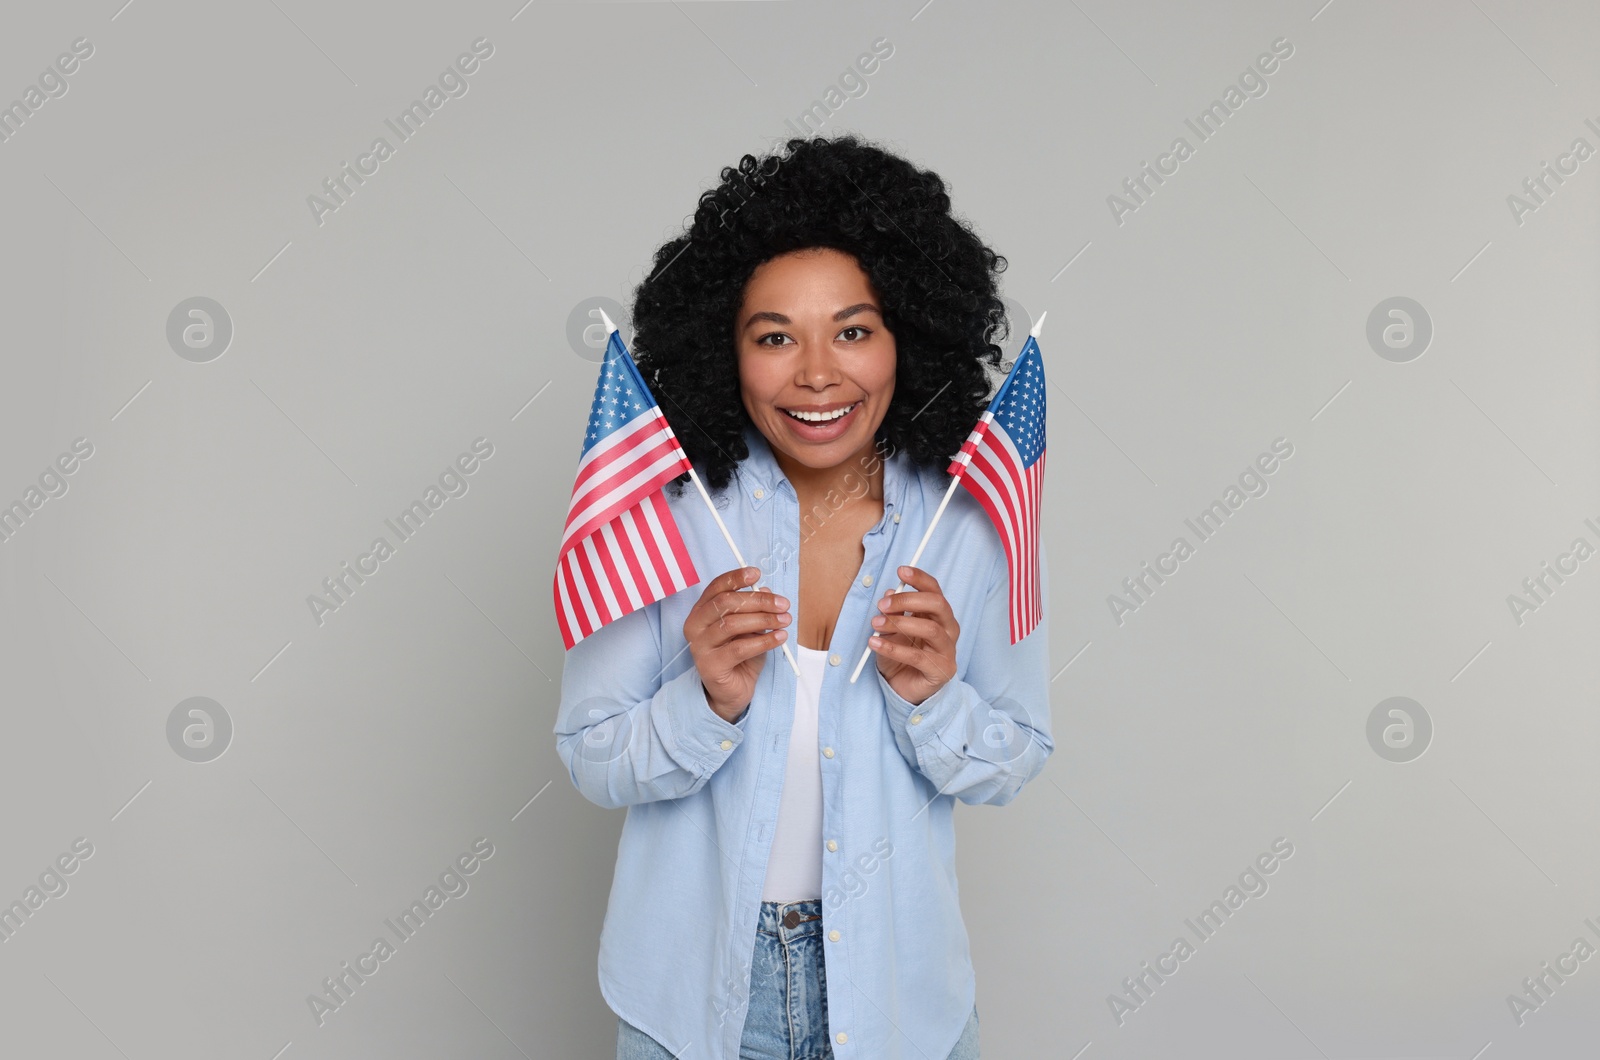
<point>757,385</point>
<point>749,386</point>
<point>886,375</point>
<point>755,409</point>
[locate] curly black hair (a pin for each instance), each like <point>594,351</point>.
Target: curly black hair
<point>935,276</point>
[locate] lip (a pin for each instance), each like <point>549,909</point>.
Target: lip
<point>817,408</point>
<point>823,432</point>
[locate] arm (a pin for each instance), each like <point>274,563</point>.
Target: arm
<point>985,734</point>
<point>626,732</point>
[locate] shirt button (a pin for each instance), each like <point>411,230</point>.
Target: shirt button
<point>841,1037</point>
<point>827,752</point>
<point>897,517</point>
<point>833,660</point>
<point>727,744</point>
<point>760,493</point>
<point>832,845</point>
<point>916,719</point>
<point>834,935</point>
<point>867,581</point>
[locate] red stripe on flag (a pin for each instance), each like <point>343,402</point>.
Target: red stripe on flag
<point>689,576</point>
<point>665,534</point>
<point>603,549</point>
<point>994,480</point>
<point>567,639</point>
<point>607,452</point>
<point>653,541</point>
<point>592,597</point>
<point>636,559</point>
<point>581,613</point>
<point>628,547</point>
<point>615,461</point>
<point>588,621</point>
<point>1010,494</point>
<point>610,608</point>
<point>583,516</point>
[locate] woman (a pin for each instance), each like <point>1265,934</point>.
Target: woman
<point>785,885</point>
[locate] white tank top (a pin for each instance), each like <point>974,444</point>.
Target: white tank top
<point>794,867</point>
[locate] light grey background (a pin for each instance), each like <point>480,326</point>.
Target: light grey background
<point>431,309</point>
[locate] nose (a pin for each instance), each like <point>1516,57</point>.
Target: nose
<point>817,366</point>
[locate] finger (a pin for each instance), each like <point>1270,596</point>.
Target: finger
<point>934,667</point>
<point>914,626</point>
<point>706,609</point>
<point>754,600</point>
<point>766,605</point>
<point>731,627</point>
<point>919,578</point>
<point>727,581</point>
<point>739,649</point>
<point>927,603</point>
<point>935,644</point>
<point>737,578</point>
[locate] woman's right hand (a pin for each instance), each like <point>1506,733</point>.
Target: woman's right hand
<point>729,633</point>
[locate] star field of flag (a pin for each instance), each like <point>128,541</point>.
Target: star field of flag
<point>1021,411</point>
<point>619,396</point>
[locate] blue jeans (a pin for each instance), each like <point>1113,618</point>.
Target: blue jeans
<point>788,1014</point>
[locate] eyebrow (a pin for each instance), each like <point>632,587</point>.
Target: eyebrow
<point>779,318</point>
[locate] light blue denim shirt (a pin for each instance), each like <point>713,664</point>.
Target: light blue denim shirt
<point>634,729</point>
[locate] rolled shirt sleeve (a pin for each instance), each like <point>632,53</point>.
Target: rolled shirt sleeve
<point>625,735</point>
<point>986,732</point>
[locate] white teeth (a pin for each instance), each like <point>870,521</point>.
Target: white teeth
<point>821,417</point>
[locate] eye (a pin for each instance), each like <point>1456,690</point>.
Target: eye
<point>762,341</point>
<point>857,327</point>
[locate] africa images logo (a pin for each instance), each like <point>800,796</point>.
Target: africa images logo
<point>453,482</point>
<point>339,988</point>
<point>453,84</point>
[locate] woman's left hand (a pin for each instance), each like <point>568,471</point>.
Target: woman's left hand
<point>916,651</point>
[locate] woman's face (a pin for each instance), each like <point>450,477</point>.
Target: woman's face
<point>811,340</point>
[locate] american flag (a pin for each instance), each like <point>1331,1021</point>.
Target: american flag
<point>1002,465</point>
<point>621,549</point>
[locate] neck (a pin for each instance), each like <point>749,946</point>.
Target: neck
<point>813,484</point>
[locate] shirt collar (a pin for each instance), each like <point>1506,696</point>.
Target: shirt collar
<point>759,477</point>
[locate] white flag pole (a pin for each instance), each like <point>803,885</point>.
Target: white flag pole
<point>954,482</point>
<point>737,555</point>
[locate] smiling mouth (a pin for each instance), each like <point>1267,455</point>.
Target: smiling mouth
<point>821,417</point>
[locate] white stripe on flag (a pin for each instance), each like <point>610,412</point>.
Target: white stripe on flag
<point>1036,487</point>
<point>630,524</point>
<point>568,604</point>
<point>619,559</point>
<point>612,440</point>
<point>962,456</point>
<point>606,492</point>
<point>586,595</point>
<point>574,627</point>
<point>623,438</point>
<point>1002,482</point>
<point>674,574</point>
<point>589,614</point>
<point>992,476</point>
<point>611,609</point>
